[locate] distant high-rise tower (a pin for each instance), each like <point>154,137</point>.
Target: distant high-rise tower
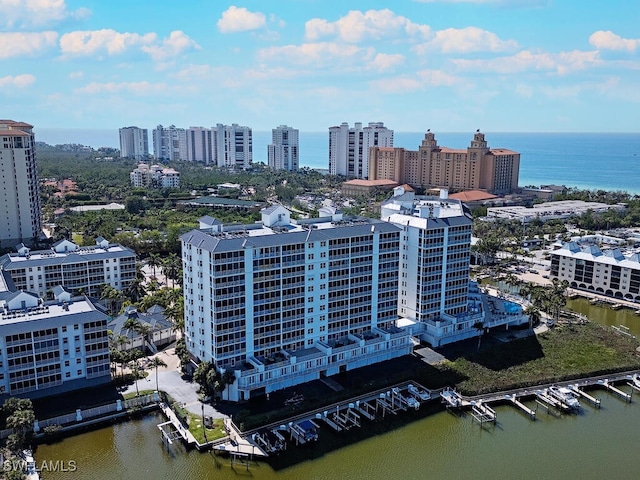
<point>169,143</point>
<point>134,143</point>
<point>349,147</point>
<point>200,145</point>
<point>477,167</point>
<point>233,146</point>
<point>19,193</point>
<point>283,152</point>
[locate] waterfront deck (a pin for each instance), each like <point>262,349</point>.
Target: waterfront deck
<point>398,399</point>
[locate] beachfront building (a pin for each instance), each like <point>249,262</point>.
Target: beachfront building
<point>434,266</point>
<point>477,167</point>
<point>284,150</point>
<point>200,145</point>
<point>154,176</point>
<point>233,146</point>
<point>50,347</point>
<point>282,302</point>
<point>169,143</point>
<point>73,267</point>
<point>606,272</point>
<point>559,210</point>
<point>349,147</point>
<point>20,218</point>
<point>134,143</point>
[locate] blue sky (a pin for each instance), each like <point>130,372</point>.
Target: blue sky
<point>448,65</point>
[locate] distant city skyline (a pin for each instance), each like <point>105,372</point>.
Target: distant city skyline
<point>448,65</point>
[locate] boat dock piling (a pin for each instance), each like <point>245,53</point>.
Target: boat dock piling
<point>514,400</point>
<point>451,398</point>
<point>594,401</point>
<point>325,418</point>
<point>169,433</point>
<point>384,405</point>
<point>609,386</point>
<point>545,401</point>
<point>483,413</point>
<point>366,410</point>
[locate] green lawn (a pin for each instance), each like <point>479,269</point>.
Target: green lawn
<point>564,353</point>
<point>213,433</point>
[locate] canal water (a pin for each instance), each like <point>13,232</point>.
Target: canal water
<point>593,444</point>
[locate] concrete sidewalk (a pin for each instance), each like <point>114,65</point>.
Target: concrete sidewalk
<point>170,380</point>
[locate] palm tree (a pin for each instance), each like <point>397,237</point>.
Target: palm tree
<point>171,267</point>
<point>143,329</point>
<point>533,313</point>
<point>175,312</point>
<point>157,362</point>
<point>136,290</point>
<point>154,261</point>
<point>480,327</point>
<point>135,356</point>
<point>228,379</point>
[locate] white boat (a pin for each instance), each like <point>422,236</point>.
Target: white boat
<point>635,379</point>
<point>421,395</point>
<point>565,396</point>
<point>451,398</point>
<point>30,469</point>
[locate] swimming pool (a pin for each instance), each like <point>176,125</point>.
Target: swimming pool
<point>511,307</point>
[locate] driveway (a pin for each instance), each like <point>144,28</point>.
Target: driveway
<point>170,380</point>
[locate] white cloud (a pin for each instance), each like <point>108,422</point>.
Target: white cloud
<point>410,83</point>
<point>316,54</point>
<point>37,13</point>
<point>19,81</point>
<point>137,88</point>
<point>356,26</point>
<point>78,74</point>
<point>89,42</point>
<point>239,19</point>
<point>16,44</point>
<point>562,62</point>
<point>177,43</point>
<point>607,40</point>
<point>385,61</point>
<point>465,40</point>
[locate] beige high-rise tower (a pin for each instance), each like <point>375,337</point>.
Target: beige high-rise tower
<point>476,167</point>
<point>20,219</point>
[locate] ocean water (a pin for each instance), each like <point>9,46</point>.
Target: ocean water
<point>607,161</point>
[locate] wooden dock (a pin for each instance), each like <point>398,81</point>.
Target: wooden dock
<point>594,401</point>
<point>517,403</point>
<point>609,386</point>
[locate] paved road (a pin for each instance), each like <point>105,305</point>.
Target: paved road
<point>170,380</point>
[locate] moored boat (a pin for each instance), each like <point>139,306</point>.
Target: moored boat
<point>565,396</point>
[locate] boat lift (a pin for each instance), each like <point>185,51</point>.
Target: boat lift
<point>483,413</point>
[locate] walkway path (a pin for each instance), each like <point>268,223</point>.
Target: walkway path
<point>170,380</point>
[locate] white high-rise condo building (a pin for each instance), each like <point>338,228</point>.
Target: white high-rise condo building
<point>71,266</point>
<point>20,219</point>
<point>145,176</point>
<point>433,290</point>
<point>169,143</point>
<point>349,147</point>
<point>200,145</point>
<point>233,146</point>
<point>50,347</point>
<point>283,152</point>
<point>282,302</point>
<point>134,143</point>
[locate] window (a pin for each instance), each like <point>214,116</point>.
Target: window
<point>78,361</point>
